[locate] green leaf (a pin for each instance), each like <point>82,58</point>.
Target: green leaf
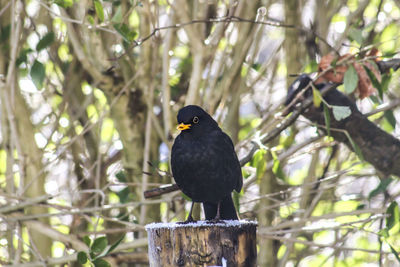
<point>23,56</point>
<point>394,215</point>
<point>121,176</point>
<point>87,240</point>
<point>385,82</point>
<point>47,40</point>
<point>186,197</point>
<point>389,116</point>
<point>380,188</point>
<point>64,3</point>
<point>259,162</point>
<point>90,19</point>
<point>317,98</point>
<point>396,254</point>
<point>327,117</point>
<point>356,35</point>
<point>123,195</point>
<point>124,30</point>
<point>38,73</point>
<point>113,246</point>
<point>277,169</point>
<point>341,112</point>
<point>101,263</point>
<point>350,80</point>
<point>99,244</point>
<point>99,10</point>
<point>372,77</point>
<point>117,18</point>
<point>384,233</point>
<point>355,147</point>
<point>5,33</point>
<point>82,257</point>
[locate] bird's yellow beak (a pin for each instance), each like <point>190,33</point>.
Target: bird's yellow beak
<point>183,126</point>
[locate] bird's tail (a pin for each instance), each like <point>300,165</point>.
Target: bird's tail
<point>227,209</point>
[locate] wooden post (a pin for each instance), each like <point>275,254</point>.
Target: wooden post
<point>229,243</point>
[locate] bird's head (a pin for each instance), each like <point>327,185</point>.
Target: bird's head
<point>193,119</point>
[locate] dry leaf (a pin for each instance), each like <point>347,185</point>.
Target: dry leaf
<point>336,75</point>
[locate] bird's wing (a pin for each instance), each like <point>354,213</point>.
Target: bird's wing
<point>230,154</point>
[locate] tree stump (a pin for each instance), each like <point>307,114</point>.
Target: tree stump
<point>229,243</point>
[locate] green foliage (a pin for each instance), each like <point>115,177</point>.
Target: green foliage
<point>5,33</point>
<point>317,97</point>
<point>99,10</point>
<point>380,188</point>
<point>277,167</point>
<point>327,117</point>
<point>350,80</point>
<point>23,56</point>
<point>64,3</point>
<point>98,248</point>
<point>126,33</point>
<point>259,163</point>
<point>393,212</point>
<point>47,40</point>
<point>38,74</point>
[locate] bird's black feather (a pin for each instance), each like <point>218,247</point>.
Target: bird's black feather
<point>204,163</point>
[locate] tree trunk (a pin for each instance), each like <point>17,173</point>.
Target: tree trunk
<point>232,243</point>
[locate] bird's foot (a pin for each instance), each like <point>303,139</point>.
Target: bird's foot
<point>217,219</point>
<point>188,220</point>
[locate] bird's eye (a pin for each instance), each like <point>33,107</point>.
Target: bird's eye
<point>196,119</point>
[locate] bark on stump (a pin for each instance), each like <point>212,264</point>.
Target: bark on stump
<point>232,243</point>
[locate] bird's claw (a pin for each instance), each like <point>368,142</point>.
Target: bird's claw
<point>215,220</point>
<point>188,220</point>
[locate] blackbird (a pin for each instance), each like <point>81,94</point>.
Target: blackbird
<point>204,164</point>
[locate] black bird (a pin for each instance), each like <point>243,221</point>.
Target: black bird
<point>205,165</point>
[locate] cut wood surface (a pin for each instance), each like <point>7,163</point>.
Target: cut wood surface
<point>229,243</point>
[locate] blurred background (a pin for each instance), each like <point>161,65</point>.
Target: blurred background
<point>89,92</point>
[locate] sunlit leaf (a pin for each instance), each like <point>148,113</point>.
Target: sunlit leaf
<point>384,233</point>
<point>276,167</point>
<point>350,79</point>
<point>317,98</point>
<point>259,162</point>
<point>64,3</point>
<point>99,10</point>
<point>340,112</point>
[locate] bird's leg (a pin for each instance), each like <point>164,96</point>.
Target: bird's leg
<point>190,217</point>
<point>218,215</point>
<point>217,218</point>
